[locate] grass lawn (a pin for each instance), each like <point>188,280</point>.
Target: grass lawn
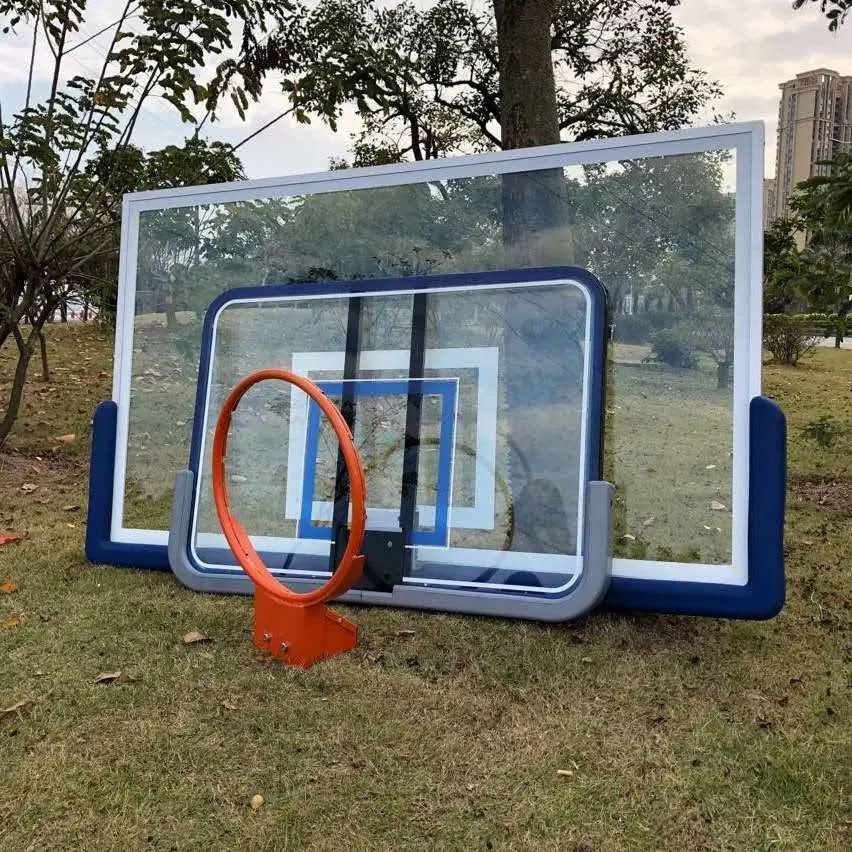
<point>438,731</point>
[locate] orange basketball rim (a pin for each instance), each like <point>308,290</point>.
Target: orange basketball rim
<point>296,628</point>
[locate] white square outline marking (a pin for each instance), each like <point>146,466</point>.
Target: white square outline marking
<point>484,359</point>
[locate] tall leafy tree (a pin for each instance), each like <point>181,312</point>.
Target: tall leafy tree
<point>784,270</point>
<point>456,76</point>
<point>824,204</point>
<point>58,210</point>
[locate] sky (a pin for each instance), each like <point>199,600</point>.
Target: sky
<point>748,46</point>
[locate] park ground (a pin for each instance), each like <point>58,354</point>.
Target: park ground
<point>614,732</point>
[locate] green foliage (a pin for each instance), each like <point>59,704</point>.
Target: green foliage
<point>819,324</point>
<point>825,431</point>
<point>826,199</point>
<point>784,269</point>
<point>817,276</point>
<point>788,338</point>
<point>658,230</point>
<point>673,347</point>
<point>824,206</point>
<point>66,154</point>
<point>425,82</point>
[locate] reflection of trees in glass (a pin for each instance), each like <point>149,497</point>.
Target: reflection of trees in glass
<point>659,233</point>
<point>415,229</point>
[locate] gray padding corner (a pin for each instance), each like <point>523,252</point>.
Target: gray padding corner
<point>583,597</point>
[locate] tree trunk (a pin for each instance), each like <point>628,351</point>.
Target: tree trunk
<point>840,326</point>
<point>45,367</point>
<point>723,375</point>
<point>533,203</point>
<point>171,315</point>
<point>535,233</point>
<point>16,392</point>
<point>63,310</point>
<point>528,114</point>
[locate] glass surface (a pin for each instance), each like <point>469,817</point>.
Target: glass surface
<point>658,232</point>
<point>380,424</point>
<point>499,468</point>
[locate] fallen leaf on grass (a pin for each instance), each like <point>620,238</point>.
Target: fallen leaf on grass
<point>28,487</point>
<point>710,467</point>
<point>108,677</point>
<point>71,507</point>
<point>648,521</point>
<point>7,538</point>
<point>256,802</point>
<point>16,707</point>
<point>755,696</point>
<point>229,705</point>
<point>716,506</point>
<point>405,633</point>
<point>9,623</point>
<point>565,772</point>
<point>194,637</point>
<point>65,439</point>
<point>8,588</point>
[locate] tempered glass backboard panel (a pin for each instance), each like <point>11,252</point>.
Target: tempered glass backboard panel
<point>502,443</point>
<point>668,223</point>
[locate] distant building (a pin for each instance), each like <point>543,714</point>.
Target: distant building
<point>768,202</point>
<point>814,123</point>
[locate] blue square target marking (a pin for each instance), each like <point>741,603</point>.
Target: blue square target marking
<point>447,390</point>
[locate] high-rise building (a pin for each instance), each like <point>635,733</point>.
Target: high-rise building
<point>814,123</point>
<point>768,202</point>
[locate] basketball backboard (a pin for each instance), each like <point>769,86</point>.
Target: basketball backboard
<point>475,402</point>
<point>671,225</point>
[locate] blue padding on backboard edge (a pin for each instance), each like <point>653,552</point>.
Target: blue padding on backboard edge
<point>99,546</point>
<point>763,595</point>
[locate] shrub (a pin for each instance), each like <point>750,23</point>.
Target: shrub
<point>820,325</point>
<point>674,348</point>
<point>638,328</point>
<point>789,338</point>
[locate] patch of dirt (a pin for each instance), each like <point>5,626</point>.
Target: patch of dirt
<point>30,481</point>
<point>832,493</point>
